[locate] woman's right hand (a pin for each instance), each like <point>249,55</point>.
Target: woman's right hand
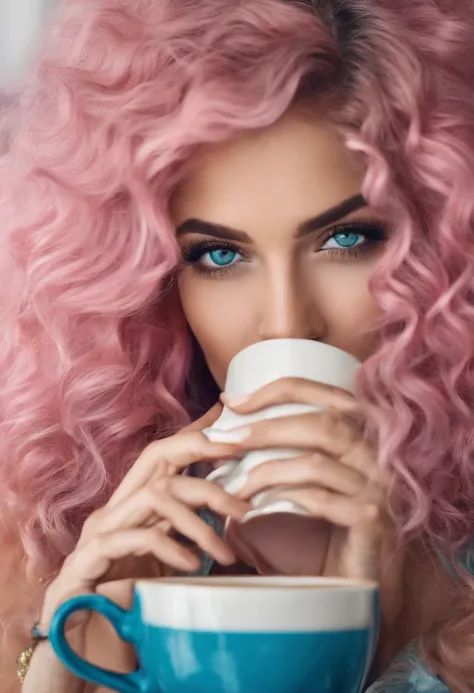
<point>153,502</point>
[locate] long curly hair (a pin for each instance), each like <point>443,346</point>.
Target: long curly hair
<point>95,354</point>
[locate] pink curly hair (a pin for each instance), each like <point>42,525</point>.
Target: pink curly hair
<point>96,354</point>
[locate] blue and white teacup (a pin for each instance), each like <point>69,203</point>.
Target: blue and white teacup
<point>236,635</point>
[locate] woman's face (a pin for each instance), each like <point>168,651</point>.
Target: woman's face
<point>264,256</point>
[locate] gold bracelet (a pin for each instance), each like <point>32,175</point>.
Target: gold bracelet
<point>23,661</point>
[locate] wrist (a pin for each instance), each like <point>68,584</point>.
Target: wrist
<point>23,662</point>
<point>47,674</point>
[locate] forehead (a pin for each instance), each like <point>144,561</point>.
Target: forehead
<point>296,167</point>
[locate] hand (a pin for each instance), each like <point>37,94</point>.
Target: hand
<point>153,502</point>
<point>335,479</point>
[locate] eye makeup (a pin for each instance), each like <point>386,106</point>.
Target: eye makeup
<point>218,258</point>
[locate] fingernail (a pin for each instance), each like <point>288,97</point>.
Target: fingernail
<point>235,435</point>
<point>226,557</point>
<point>193,562</point>
<point>220,474</point>
<point>235,483</point>
<point>234,401</point>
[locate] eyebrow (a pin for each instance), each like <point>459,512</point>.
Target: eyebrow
<point>330,216</point>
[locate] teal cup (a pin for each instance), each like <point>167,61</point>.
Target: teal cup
<point>236,635</point>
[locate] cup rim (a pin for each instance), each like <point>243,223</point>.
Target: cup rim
<point>309,343</point>
<point>259,582</point>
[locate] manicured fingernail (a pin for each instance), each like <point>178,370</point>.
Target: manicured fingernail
<point>226,557</point>
<point>235,435</point>
<point>221,474</point>
<point>234,401</point>
<point>235,483</point>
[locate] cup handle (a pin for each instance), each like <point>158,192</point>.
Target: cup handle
<point>133,682</point>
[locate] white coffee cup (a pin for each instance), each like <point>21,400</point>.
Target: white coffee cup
<point>263,532</point>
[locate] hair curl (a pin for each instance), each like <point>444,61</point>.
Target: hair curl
<point>95,353</point>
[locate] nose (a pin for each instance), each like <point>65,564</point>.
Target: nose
<point>288,309</point>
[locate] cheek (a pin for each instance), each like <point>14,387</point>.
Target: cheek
<point>349,309</point>
<point>217,317</point>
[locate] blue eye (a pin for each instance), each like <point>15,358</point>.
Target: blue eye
<point>344,239</point>
<point>212,258</point>
<point>221,257</point>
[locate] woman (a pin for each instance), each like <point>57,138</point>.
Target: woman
<point>185,179</point>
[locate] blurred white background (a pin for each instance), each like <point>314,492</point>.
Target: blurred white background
<point>20,22</point>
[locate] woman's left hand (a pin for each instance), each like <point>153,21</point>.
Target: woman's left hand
<point>335,479</point>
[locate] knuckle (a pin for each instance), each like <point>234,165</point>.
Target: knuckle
<point>162,487</point>
<point>317,459</point>
<point>153,453</point>
<point>330,422</point>
<point>164,527</point>
<point>96,543</point>
<point>161,468</point>
<point>336,427</point>
<point>172,486</point>
<point>155,535</point>
<point>147,497</point>
<point>323,497</point>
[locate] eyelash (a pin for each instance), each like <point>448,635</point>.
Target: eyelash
<point>373,233</point>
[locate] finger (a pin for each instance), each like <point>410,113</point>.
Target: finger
<point>198,493</point>
<point>95,559</point>
<point>147,506</point>
<point>165,456</point>
<point>340,510</point>
<point>189,525</point>
<point>314,469</point>
<point>206,420</point>
<point>293,390</point>
<point>364,523</point>
<point>170,499</point>
<point>327,431</point>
